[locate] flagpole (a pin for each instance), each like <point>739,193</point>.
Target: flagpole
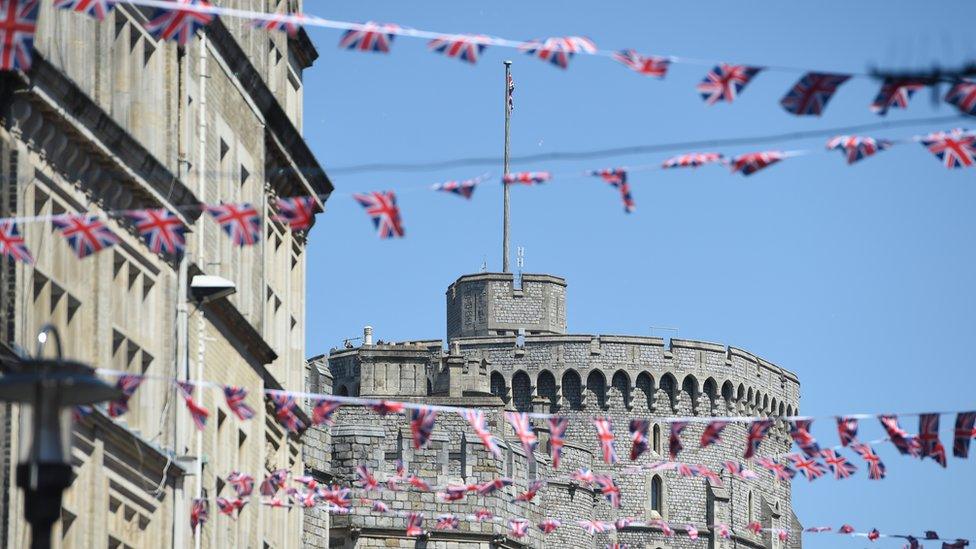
<point>508,120</point>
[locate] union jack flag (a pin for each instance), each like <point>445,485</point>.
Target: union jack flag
<point>380,507</point>
<point>638,435</point>
<point>453,493</point>
<point>382,208</point>
<point>323,410</point>
<point>604,433</point>
<point>751,163</point>
<point>781,471</point>
<point>876,468</point>
<point>684,469</point>
<point>492,486</point>
<point>712,433</point>
<point>228,506</point>
<point>723,531</point>
<point>692,532</point>
<point>800,433</point>
<point>963,96</point>
<point>12,243</point>
<point>557,438</point>
<point>847,430</point>
<point>285,412</point>
<point>674,441</point>
<point>618,179</point>
<point>725,82</point>
<point>302,498</point>
<point>956,148</point>
<point>531,491</point>
<point>86,234</point>
<point>812,92</point>
<point>273,481</point>
<point>17,27</point>
<point>845,529</point>
<point>335,495</point>
<point>476,418</point>
<point>447,522</point>
<point>526,178</point>
<point>94,8</point>
<point>415,522</point>
<point>838,464</point>
<point>692,160</point>
<point>464,47</point>
<point>808,467</point>
<point>928,438</point>
<point>736,469</point>
<point>127,383</point>
<point>666,529</point>
<point>782,535</point>
<point>609,489</point>
<point>704,472</point>
<point>549,526</point>
<point>463,189</point>
<point>180,23</point>
<point>370,36</point>
<point>235,401</point>
<point>906,444</point>
<point>275,503</point>
<point>958,544</point>
<point>161,229</point>
<point>197,412</point>
<point>818,529</point>
<point>964,431</point>
<point>754,527</point>
<point>895,93</point>
<point>593,527</point>
<point>307,481</point>
<point>199,513</point>
<point>518,528</point>
<point>241,222</point>
<point>419,483</point>
<point>584,476</point>
<point>482,515</point>
<point>649,65</point>
<point>623,522</point>
<point>366,478</point>
<point>523,430</point>
<point>242,483</point>
<point>80,412</point>
<point>290,23</point>
<point>874,534</point>
<point>384,407</point>
<point>298,212</point>
<point>421,425</point>
<point>856,147</point>
<point>558,51</point>
<point>757,431</point>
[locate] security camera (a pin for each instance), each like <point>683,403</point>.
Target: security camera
<point>206,288</point>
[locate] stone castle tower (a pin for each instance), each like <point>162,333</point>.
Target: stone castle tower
<point>508,349</point>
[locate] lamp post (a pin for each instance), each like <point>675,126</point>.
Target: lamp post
<point>48,388</point>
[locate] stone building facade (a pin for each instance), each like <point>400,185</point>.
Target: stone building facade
<point>109,118</point>
<point>508,349</point>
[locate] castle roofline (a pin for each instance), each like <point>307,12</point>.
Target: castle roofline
<point>504,277</point>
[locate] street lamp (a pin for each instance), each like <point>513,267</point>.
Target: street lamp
<point>49,387</point>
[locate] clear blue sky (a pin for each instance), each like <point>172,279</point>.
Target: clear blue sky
<point>859,279</point>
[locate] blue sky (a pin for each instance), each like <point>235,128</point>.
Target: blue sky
<point>859,278</point>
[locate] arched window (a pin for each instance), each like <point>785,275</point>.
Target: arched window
<point>690,389</point>
<point>597,384</point>
<point>645,386</point>
<point>749,509</point>
<point>711,390</point>
<point>656,438</point>
<point>522,391</point>
<point>572,389</point>
<point>498,386</point>
<point>621,383</point>
<point>546,387</point>
<point>669,388</point>
<point>343,391</point>
<point>657,495</point>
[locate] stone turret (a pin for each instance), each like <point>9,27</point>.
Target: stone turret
<point>490,304</point>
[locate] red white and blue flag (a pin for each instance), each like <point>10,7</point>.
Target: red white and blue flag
<point>127,384</point>
<point>86,234</point>
<point>638,437</point>
<point>713,432</point>
<point>235,401</point>
<point>323,410</point>
<point>380,507</point>
<point>518,528</point>
<point>876,468</point>
<point>228,506</point>
<point>366,478</point>
<point>736,469</point>
<point>965,430</point>
<point>523,430</point>
<point>241,222</point>
<point>199,511</point>
<point>781,471</point>
<point>531,491</point>
<point>180,23</point>
<point>463,188</point>
<point>464,47</point>
<point>955,148</point>
<point>665,528</point>
<point>162,231</point>
<point>847,430</point>
<point>95,8</point>
<point>382,208</point>
<point>725,82</point>
<point>648,65</point>
<point>808,467</point>
<point>447,522</point>
<point>286,409</point>
<point>482,515</point>
<point>800,433</point>
<point>963,96</point>
<point>692,532</point>
<point>704,472</point>
<point>242,483</point>
<point>476,418</point>
<point>723,531</point>
<point>526,178</point>
<point>558,51</point>
<point>856,148</point>
<point>609,489</point>
<point>370,37</point>
<point>273,482</point>
<point>617,177</point>
<point>757,431</point>
<point>549,526</point>
<point>18,23</point>
<point>838,464</point>
<point>751,163</point>
<point>492,486</point>
<point>604,434</point>
<point>905,443</point>
<point>895,93</point>
<point>415,523</point>
<point>593,527</point>
<point>287,22</point>
<point>384,407</point>
<point>674,439</point>
<point>928,438</point>
<point>584,476</point>
<point>557,438</point>
<point>692,160</point>
<point>12,243</point>
<point>198,413</point>
<point>812,92</point>
<point>298,212</point>
<point>421,425</point>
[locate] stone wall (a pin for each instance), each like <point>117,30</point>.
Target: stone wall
<point>490,304</point>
